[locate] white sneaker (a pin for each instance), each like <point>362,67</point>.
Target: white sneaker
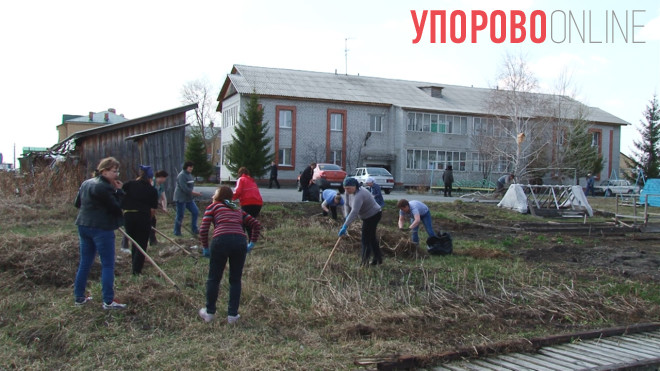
<point>114,305</point>
<point>233,319</point>
<point>207,317</point>
<point>126,251</point>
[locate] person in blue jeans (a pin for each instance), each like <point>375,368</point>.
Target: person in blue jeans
<point>99,215</point>
<point>418,213</point>
<point>183,197</point>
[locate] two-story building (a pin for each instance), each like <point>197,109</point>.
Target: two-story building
<point>411,128</point>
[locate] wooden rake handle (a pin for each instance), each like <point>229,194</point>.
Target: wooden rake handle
<point>331,253</point>
<point>148,257</point>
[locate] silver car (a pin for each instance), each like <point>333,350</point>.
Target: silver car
<point>381,176</point>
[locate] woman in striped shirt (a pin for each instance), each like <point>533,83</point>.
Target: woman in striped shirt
<point>229,244</point>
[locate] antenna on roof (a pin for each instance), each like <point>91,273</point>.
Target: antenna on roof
<point>346,54</point>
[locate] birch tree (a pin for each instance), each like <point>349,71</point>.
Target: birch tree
<point>520,118</point>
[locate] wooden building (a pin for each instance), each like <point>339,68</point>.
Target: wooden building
<point>157,140</point>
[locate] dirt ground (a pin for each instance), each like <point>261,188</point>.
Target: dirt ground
<point>573,248</point>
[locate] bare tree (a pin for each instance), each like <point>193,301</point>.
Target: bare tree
<point>521,117</point>
<point>204,117</point>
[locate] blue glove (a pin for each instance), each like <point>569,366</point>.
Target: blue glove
<point>206,252</point>
<point>250,246</point>
<point>343,229</point>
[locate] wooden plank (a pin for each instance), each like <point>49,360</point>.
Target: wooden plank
<point>455,367</point>
<point>553,363</point>
<point>643,341</point>
<point>529,364</point>
<point>551,352</point>
<point>600,352</point>
<point>631,347</point>
<point>626,348</point>
<point>583,354</point>
<point>503,363</point>
<point>486,364</point>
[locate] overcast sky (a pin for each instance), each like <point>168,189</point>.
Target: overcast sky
<point>73,57</point>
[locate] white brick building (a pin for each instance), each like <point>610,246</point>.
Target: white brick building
<point>415,129</point>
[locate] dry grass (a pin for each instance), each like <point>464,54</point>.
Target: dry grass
<point>291,319</point>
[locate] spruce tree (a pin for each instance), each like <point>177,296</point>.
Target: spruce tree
<point>196,152</point>
<point>645,156</point>
<point>250,146</point>
<point>579,153</point>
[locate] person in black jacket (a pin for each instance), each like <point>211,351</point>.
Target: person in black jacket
<point>448,179</point>
<point>273,176</point>
<point>139,204</point>
<point>99,214</point>
<point>306,179</point>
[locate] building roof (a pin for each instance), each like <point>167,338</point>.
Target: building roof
<point>412,95</point>
<point>96,118</point>
<point>66,143</point>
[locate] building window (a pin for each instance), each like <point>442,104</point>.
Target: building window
<point>375,123</point>
<point>225,148</point>
<point>595,139</point>
<point>435,123</point>
<point>285,119</point>
<point>421,159</point>
<point>230,117</point>
<point>336,121</point>
<point>335,157</point>
<point>284,156</point>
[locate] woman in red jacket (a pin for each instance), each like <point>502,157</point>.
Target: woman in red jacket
<point>248,195</point>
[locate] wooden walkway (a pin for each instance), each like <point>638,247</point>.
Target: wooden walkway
<point>639,351</point>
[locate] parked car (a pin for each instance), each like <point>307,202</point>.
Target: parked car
<point>615,186</point>
<point>329,176</point>
<point>381,176</point>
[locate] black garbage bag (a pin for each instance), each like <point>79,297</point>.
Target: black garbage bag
<point>440,245</point>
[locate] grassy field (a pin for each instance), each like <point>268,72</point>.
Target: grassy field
<point>291,317</point>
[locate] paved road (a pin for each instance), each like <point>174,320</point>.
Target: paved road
<point>292,195</point>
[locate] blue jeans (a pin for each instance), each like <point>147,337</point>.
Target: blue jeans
<point>232,248</point>
<point>93,240</point>
<point>428,225</point>
<point>180,209</point>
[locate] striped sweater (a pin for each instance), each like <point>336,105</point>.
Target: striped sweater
<point>227,221</point>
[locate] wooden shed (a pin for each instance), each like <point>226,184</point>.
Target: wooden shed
<point>157,140</point>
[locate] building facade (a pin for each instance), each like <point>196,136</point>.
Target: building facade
<point>414,129</point>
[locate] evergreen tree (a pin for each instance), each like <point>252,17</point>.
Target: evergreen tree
<point>578,151</point>
<point>645,156</point>
<point>196,152</point>
<point>250,146</point>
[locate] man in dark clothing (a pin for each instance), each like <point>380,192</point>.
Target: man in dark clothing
<point>448,179</point>
<point>273,176</point>
<point>306,179</point>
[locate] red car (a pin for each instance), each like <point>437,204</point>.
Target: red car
<point>329,176</point>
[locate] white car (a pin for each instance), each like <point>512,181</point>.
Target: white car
<point>381,176</point>
<point>615,186</point>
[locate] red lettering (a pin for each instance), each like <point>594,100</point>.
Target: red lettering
<point>458,14</point>
<point>532,26</point>
<point>442,14</point>
<point>419,25</point>
<point>493,25</point>
<point>478,26</point>
<point>515,25</point>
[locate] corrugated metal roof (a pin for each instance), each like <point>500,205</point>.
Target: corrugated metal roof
<point>296,84</point>
<point>106,128</point>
